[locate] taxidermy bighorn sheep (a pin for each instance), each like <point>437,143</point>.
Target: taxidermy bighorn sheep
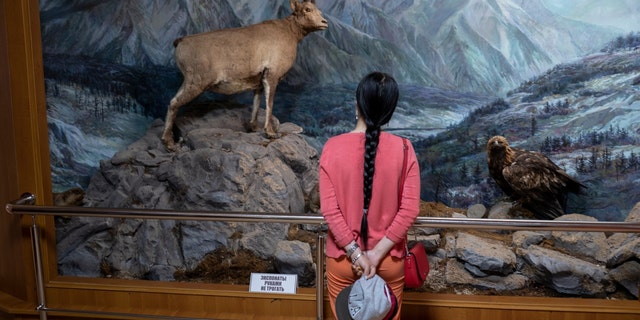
<point>234,60</point>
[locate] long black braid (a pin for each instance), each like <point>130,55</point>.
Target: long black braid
<point>377,97</point>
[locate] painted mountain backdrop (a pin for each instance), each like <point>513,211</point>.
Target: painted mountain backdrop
<point>451,58</point>
<point>470,45</point>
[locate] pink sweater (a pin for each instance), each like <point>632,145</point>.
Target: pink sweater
<point>341,192</point>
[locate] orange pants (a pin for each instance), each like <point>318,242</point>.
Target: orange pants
<point>340,275</point>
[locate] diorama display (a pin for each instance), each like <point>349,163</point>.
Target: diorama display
<point>548,77</point>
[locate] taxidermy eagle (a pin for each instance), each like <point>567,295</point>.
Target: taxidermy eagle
<point>530,178</point>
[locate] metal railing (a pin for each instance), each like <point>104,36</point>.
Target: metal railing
<point>25,206</point>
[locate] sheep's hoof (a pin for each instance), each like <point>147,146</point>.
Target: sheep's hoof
<point>271,134</point>
<point>271,130</point>
<point>169,145</point>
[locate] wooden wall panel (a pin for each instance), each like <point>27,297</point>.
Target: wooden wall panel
<point>11,273</point>
<point>198,300</point>
<point>179,299</point>
<point>24,160</point>
<point>473,307</point>
<point>234,302</point>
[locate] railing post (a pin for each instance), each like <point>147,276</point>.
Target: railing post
<point>29,199</point>
<point>320,277</point>
<point>37,261</point>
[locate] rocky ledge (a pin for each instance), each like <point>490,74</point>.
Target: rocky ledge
<point>550,263</point>
<point>221,166</point>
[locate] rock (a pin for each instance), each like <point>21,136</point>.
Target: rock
<point>434,261</point>
<point>586,244</point>
<point>294,257</point>
<point>489,256</point>
<point>82,244</point>
<point>628,276</point>
<point>139,242</point>
<point>476,211</point>
<point>431,243</point>
<point>450,244</point>
<point>160,273</point>
<point>82,261</point>
<point>456,274</point>
<point>424,231</point>
<point>197,238</point>
<point>523,239</point>
<point>262,238</point>
<point>634,214</point>
<point>567,274</point>
<point>629,250</point>
<point>500,210</point>
<point>475,271</point>
<point>458,215</point>
<point>220,166</point>
<point>69,197</point>
<point>619,248</point>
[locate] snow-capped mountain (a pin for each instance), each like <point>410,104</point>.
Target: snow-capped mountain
<point>470,45</point>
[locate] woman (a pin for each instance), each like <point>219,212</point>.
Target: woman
<point>360,175</point>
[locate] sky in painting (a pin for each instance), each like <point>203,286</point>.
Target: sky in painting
<point>621,14</point>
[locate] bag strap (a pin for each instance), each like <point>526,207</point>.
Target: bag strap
<point>403,177</point>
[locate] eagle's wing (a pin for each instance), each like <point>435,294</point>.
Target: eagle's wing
<point>539,182</point>
<point>533,171</point>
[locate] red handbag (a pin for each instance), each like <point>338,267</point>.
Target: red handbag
<point>416,266</point>
<point>416,263</point>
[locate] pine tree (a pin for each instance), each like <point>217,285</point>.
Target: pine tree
<point>633,161</point>
<point>464,175</point>
<point>606,158</point>
<point>534,125</point>
<point>593,160</point>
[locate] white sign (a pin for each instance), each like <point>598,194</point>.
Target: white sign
<point>273,283</point>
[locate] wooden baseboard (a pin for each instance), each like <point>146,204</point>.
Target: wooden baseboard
<point>79,298</point>
<point>523,303</point>
<point>12,308</point>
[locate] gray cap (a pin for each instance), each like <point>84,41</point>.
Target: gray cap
<point>366,299</point>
